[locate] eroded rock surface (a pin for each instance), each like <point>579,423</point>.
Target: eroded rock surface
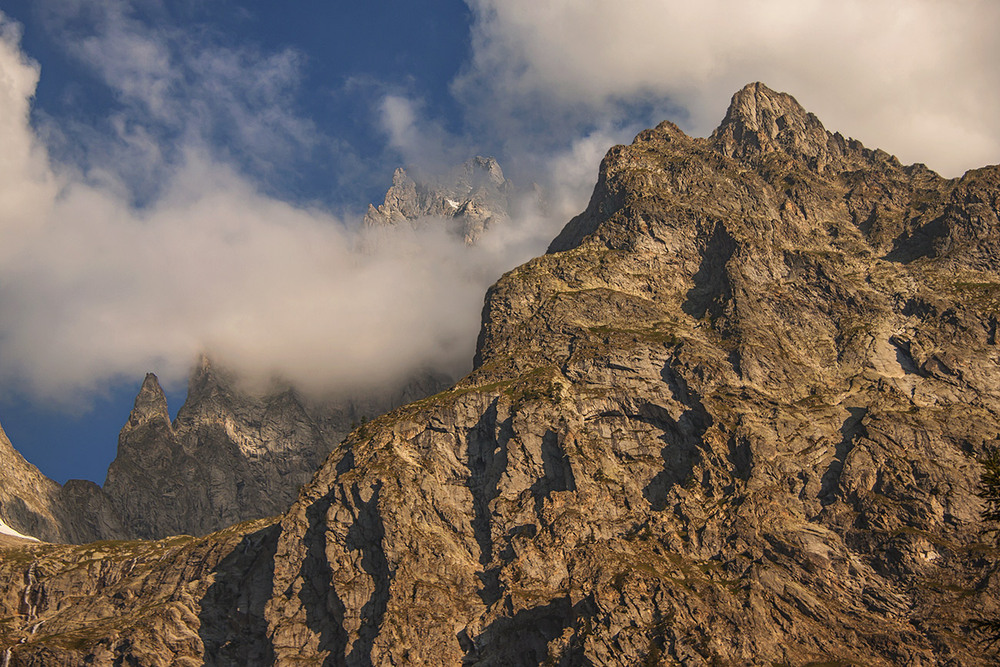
<point>731,418</point>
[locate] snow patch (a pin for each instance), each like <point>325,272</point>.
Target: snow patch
<point>7,530</point>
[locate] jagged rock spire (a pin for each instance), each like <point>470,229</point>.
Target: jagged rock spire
<point>150,404</point>
<point>474,195</point>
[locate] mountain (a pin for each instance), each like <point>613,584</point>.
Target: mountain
<point>733,416</point>
<point>471,198</point>
<point>235,455</point>
<point>34,505</point>
<point>231,455</point>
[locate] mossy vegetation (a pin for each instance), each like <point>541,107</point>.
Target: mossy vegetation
<point>661,333</point>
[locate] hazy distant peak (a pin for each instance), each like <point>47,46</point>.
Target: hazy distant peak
<point>474,194</point>
<point>484,171</point>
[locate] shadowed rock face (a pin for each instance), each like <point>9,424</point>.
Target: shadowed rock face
<point>231,455</point>
<point>35,505</point>
<point>731,418</point>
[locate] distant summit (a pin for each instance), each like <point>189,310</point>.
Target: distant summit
<point>473,196</point>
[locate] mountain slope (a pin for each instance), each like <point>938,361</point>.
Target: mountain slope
<point>717,423</point>
<point>731,418</point>
<point>34,505</point>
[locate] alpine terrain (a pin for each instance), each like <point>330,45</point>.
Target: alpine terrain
<point>732,417</point>
<point>470,198</point>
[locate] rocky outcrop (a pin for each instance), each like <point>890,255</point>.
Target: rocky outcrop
<point>471,198</point>
<point>171,602</point>
<point>231,455</point>
<point>701,430</point>
<point>733,417</point>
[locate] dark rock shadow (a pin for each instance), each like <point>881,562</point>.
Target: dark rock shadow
<point>711,284</point>
<point>487,443</point>
<point>557,474</point>
<point>325,611</point>
<point>324,608</point>
<point>849,430</point>
<point>233,627</point>
<point>904,356</point>
<point>520,640</point>
<point>923,241</point>
<point>366,535</point>
<point>346,462</point>
<point>683,439</point>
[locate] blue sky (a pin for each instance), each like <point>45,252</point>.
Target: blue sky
<point>183,176</point>
<point>343,58</point>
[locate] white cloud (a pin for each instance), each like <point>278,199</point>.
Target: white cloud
<point>181,88</point>
<point>27,187</point>
<point>93,289</point>
<point>919,78</point>
<point>417,140</point>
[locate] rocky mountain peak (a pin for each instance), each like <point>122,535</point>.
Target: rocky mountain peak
<point>756,107</point>
<point>484,171</point>
<point>472,196</point>
<point>760,120</point>
<point>207,381</point>
<point>400,177</point>
<point>725,421</point>
<point>150,404</point>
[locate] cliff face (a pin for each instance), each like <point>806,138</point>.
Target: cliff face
<point>230,456</point>
<point>34,505</point>
<point>731,418</point>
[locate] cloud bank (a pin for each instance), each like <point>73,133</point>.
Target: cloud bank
<point>918,78</point>
<point>94,289</point>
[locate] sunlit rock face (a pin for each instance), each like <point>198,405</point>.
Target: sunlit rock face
<point>732,417</point>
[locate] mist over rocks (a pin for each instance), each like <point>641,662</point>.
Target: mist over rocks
<point>240,447</point>
<point>246,440</point>
<point>472,198</point>
<point>94,289</point>
<point>732,417</point>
